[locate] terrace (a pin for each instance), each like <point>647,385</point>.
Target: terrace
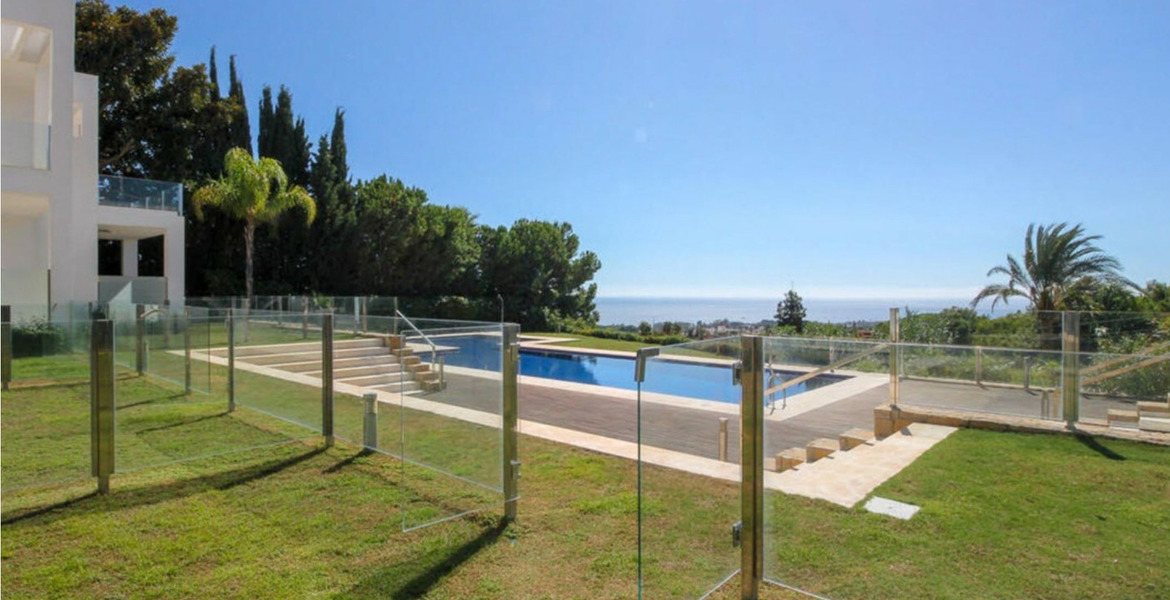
<point>638,490</point>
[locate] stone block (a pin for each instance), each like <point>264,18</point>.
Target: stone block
<point>790,458</point>
<point>854,438</point>
<point>1117,415</point>
<point>820,448</point>
<point>1158,409</point>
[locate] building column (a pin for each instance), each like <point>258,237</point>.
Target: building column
<point>129,258</point>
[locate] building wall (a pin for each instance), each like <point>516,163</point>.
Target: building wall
<point>51,217</point>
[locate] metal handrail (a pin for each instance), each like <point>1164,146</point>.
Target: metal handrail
<point>436,358</point>
<point>824,369</point>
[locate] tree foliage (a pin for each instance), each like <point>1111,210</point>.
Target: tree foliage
<point>254,192</point>
<point>790,312</point>
<point>379,237</point>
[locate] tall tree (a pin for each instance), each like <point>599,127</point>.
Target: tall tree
<point>1059,263</point>
<point>255,192</point>
<point>241,129</point>
<point>130,52</point>
<point>790,311</point>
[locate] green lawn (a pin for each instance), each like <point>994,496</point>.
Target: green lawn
<point>1003,515</point>
<point>583,341</point>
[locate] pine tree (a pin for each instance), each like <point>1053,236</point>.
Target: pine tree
<point>790,311</point>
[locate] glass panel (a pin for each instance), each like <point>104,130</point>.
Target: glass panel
<point>1125,389</point>
<point>158,422</point>
<point>279,366</point>
<point>991,380</point>
<point>368,365</point>
<point>44,413</point>
<point>688,497</point>
<point>833,387</point>
<point>452,416</point>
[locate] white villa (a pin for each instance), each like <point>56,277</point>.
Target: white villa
<point>68,234</point>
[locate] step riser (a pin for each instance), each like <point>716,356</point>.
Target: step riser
<point>340,373</point>
<point>372,380</point>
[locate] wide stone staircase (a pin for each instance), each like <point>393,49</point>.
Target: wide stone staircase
<point>378,363</point>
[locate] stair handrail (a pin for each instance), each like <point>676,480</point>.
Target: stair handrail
<point>436,358</point>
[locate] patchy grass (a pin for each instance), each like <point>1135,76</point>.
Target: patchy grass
<point>1003,515</point>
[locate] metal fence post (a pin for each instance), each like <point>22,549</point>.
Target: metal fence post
<point>327,377</point>
<point>978,364</point>
<point>1070,385</point>
<point>6,345</point>
<point>101,407</point>
<point>751,432</point>
<point>231,331</point>
<point>370,422</point>
<point>139,339</point>
<point>304,318</point>
<point>511,364</point>
<point>895,356</point>
<point>187,350</point>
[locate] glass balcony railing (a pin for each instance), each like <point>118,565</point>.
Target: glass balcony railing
<point>25,144</point>
<point>129,192</point>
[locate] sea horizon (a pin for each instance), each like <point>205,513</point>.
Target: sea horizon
<point>632,310</point>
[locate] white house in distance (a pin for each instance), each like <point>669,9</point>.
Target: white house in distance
<point>70,236</point>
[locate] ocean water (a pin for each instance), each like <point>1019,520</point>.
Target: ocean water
<point>631,311</point>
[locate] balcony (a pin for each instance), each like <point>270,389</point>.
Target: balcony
<point>26,144</point>
<point>129,192</point>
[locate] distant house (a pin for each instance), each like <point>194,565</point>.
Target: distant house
<point>68,235</point>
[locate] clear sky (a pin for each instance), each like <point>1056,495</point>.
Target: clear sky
<point>854,149</point>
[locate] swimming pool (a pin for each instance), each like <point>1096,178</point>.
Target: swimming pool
<point>688,379</point>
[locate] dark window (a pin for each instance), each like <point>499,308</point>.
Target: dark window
<point>109,257</point>
<point>150,257</point>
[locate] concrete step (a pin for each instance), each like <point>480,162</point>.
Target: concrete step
<point>405,388</point>
<point>383,362</point>
<point>374,380</point>
<point>242,351</point>
<point>358,343</point>
<point>820,448</point>
<point>345,373</point>
<point>360,351</point>
<point>1119,416</point>
<point>363,361</point>
<point>1154,424</point>
<point>792,457</point>
<point>1154,409</point>
<point>854,438</point>
<point>281,359</point>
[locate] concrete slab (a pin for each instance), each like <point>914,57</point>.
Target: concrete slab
<point>893,508</point>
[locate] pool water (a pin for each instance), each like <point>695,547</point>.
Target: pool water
<point>688,379</point>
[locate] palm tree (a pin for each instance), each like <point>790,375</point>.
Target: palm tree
<point>254,191</point>
<point>1060,263</point>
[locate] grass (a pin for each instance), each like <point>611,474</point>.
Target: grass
<point>1003,515</point>
<point>595,343</point>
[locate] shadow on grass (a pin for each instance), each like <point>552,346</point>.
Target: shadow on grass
<point>155,494</point>
<point>349,461</point>
<point>183,422</point>
<point>418,577</point>
<point>1093,444</point>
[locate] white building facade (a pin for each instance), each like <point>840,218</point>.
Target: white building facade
<point>52,212</point>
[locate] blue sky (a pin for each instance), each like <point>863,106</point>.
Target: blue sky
<point>853,149</point>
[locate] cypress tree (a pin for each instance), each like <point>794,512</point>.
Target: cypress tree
<point>241,130</point>
<point>264,138</point>
<point>213,75</point>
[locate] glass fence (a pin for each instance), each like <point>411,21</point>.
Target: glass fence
<point>130,192</point>
<point>428,393</point>
<point>688,476</point>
